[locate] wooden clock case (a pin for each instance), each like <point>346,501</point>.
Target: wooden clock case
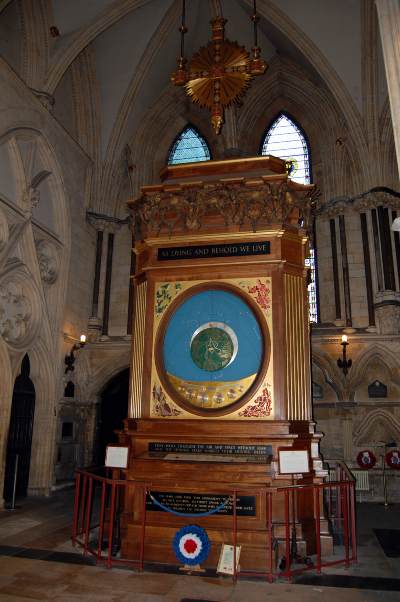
<point>224,204</point>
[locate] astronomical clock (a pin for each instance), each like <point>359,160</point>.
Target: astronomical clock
<point>220,372</point>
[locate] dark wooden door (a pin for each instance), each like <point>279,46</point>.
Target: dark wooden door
<point>20,433</point>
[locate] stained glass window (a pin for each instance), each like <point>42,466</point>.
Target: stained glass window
<point>189,147</point>
<point>284,139</point>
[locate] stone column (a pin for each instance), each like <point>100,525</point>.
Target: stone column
<point>111,231</point>
<point>389,25</point>
<point>95,322</point>
<point>106,228</point>
<point>131,297</point>
<point>230,133</point>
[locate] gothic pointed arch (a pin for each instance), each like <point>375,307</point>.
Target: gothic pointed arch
<point>285,138</point>
<point>189,146</point>
<point>378,425</point>
<point>379,355</point>
<point>323,362</point>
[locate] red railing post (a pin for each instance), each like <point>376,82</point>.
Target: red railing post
<point>88,516</point>
<point>317,515</point>
<point>143,530</point>
<point>269,511</point>
<point>344,487</point>
<point>111,526</point>
<point>329,502</point>
<point>339,505</point>
<point>287,535</point>
<point>83,505</point>
<point>353,522</point>
<point>101,523</point>
<point>76,507</point>
<point>234,535</point>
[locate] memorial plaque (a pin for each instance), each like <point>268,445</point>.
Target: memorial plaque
<point>377,389</point>
<point>117,456</point>
<point>197,503</point>
<point>209,448</point>
<point>205,251</point>
<point>294,461</point>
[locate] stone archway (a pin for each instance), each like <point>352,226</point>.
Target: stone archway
<point>35,253</point>
<point>19,440</point>
<point>113,409</point>
<point>377,426</point>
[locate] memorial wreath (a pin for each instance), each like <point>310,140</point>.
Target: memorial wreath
<point>191,545</point>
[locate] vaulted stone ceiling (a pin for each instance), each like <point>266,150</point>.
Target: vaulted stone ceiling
<point>120,53</point>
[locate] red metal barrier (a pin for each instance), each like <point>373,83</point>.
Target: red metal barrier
<point>98,504</point>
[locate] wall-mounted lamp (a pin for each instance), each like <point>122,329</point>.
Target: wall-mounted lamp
<point>396,224</point>
<point>70,358</point>
<point>343,362</point>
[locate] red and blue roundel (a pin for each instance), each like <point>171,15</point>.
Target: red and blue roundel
<point>393,459</point>
<point>191,545</point>
<point>366,459</point>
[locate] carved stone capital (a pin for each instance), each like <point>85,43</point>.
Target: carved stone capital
<point>49,260</point>
<point>376,197</point>
<point>31,196</point>
<point>20,307</point>
<point>104,223</point>
<point>30,199</point>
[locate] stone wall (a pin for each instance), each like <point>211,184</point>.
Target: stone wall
<point>57,193</point>
<point>44,262</point>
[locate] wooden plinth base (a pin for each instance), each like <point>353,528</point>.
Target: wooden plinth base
<point>162,473</point>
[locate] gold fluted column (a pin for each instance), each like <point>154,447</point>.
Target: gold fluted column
<point>298,384</point>
<point>136,384</point>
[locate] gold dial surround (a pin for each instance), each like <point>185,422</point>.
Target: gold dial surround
<point>196,398</point>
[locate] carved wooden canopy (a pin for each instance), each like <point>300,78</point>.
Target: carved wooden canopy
<point>248,202</point>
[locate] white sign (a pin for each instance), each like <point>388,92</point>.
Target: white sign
<point>225,563</point>
<point>293,461</point>
<point>117,457</point>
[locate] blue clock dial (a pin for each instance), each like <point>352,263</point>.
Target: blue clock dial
<point>212,348</point>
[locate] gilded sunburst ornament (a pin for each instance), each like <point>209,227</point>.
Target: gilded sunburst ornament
<point>219,73</point>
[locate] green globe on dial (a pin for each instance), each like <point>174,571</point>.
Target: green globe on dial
<point>212,349</point>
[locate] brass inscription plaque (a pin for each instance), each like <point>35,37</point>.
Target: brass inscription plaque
<point>196,503</point>
<point>209,448</point>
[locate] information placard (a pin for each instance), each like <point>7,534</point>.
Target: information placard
<point>294,461</point>
<point>226,562</point>
<point>117,456</point>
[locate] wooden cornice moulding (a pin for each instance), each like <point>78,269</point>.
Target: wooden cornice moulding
<point>245,203</point>
<point>225,166</point>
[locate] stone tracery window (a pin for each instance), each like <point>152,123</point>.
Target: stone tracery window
<point>188,147</point>
<point>285,139</point>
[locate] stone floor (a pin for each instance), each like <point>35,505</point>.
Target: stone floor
<point>38,562</point>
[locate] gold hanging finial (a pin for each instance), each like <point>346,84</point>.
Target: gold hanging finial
<point>219,73</point>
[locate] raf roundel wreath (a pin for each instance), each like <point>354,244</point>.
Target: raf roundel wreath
<point>366,459</point>
<point>191,545</point>
<point>393,459</point>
